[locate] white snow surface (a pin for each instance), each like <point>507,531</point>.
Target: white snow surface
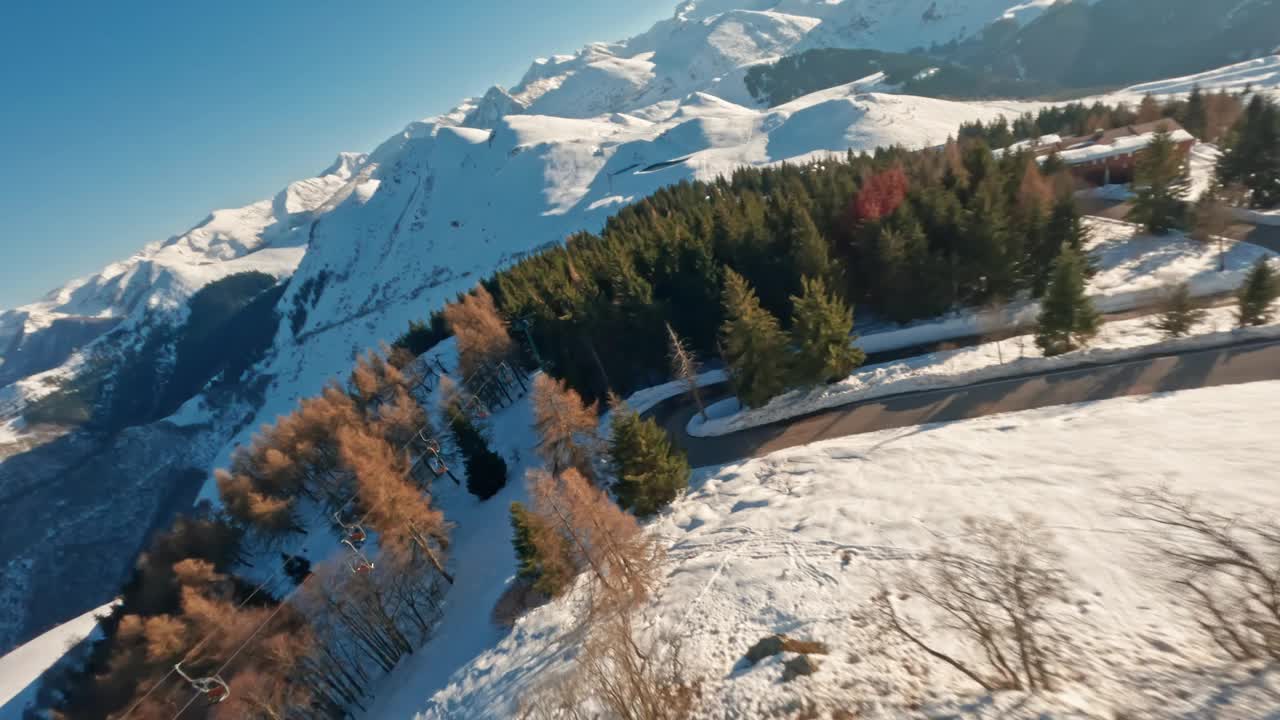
<point>1262,74</point>
<point>20,669</point>
<point>795,542</point>
<point>1122,146</point>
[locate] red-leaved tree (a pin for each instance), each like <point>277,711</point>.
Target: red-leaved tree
<point>880,195</point>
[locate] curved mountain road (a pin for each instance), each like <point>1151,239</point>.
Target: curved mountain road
<point>1244,362</point>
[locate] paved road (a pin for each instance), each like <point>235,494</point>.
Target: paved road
<point>1241,363</point>
<point>1268,236</point>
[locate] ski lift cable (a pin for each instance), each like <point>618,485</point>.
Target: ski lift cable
<point>189,703</point>
<point>278,608</point>
<point>252,636</point>
<point>196,647</point>
<point>356,494</point>
<point>244,644</point>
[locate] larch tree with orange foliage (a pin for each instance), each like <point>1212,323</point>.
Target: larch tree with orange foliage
<point>393,505</point>
<point>480,331</point>
<point>597,535</point>
<point>566,427</point>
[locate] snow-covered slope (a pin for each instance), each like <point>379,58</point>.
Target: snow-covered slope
<point>1259,73</point>
<point>269,236</point>
<point>796,542</point>
<point>20,669</point>
<point>445,204</point>
<point>383,239</point>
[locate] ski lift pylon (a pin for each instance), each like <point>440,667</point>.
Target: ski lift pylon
<point>213,687</point>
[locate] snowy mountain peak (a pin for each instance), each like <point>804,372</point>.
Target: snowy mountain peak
<point>496,104</point>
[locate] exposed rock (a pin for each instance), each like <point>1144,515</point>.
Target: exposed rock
<point>804,647</point>
<point>767,647</point>
<point>774,644</point>
<point>797,666</point>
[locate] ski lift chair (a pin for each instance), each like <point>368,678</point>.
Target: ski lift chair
<point>477,408</point>
<point>353,533</point>
<point>505,374</point>
<point>429,443</point>
<point>437,464</point>
<point>358,563</point>
<point>213,687</point>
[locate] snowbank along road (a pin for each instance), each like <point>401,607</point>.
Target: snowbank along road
<point>1240,363</point>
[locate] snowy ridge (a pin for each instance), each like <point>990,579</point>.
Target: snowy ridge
<point>1260,73</point>
<point>261,236</point>
<point>707,45</point>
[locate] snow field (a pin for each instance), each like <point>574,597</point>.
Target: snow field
<point>21,668</point>
<point>797,542</point>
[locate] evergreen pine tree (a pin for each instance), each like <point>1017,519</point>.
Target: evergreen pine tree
<point>649,472</point>
<point>1067,316</point>
<point>486,470</point>
<point>1180,313</point>
<point>1161,179</point>
<point>754,347</point>
<point>1053,164</point>
<point>522,542</point>
<point>1251,155</point>
<point>821,328</point>
<point>547,575</point>
<point>807,248</point>
<point>1195,117</point>
<point>1261,288</point>
<point>996,249</point>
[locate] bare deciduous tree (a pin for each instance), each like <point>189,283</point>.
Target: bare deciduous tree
<point>684,366</point>
<point>991,591</point>
<point>1225,568</point>
<point>628,681</point>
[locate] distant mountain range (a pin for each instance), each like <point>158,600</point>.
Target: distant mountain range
<point>1068,49</point>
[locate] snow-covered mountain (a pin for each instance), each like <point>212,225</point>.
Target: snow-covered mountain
<point>267,236</point>
<point>378,240</point>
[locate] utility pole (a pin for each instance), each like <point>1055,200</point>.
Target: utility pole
<point>524,325</point>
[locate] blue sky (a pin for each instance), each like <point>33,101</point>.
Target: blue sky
<point>126,122</point>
